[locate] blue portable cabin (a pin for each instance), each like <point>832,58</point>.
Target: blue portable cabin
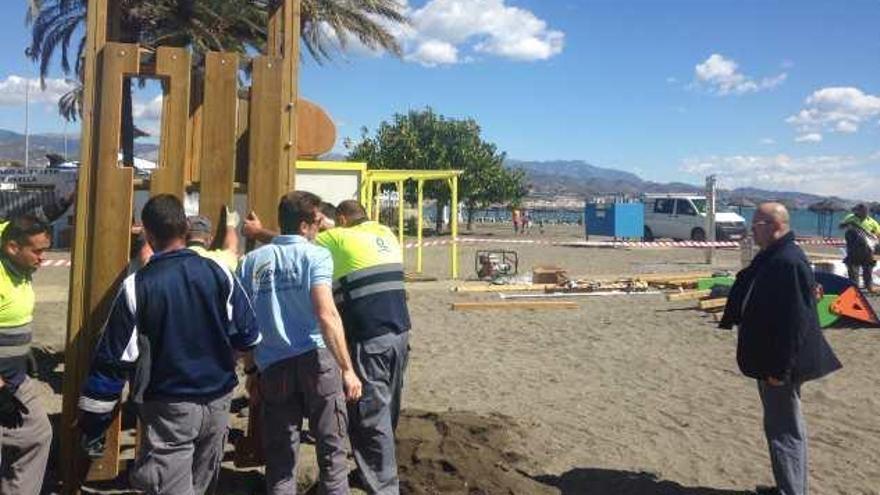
<point>619,219</point>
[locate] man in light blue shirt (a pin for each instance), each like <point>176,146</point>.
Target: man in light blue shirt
<point>303,361</point>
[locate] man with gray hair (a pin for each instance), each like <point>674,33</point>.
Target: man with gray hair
<point>780,344</point>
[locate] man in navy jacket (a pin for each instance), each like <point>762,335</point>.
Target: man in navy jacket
<point>173,331</point>
<point>773,302</point>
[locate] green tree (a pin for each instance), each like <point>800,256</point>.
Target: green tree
<point>424,140</point>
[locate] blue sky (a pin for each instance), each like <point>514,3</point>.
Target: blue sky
<point>767,93</point>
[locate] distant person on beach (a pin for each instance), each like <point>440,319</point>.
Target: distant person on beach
<point>517,220</point>
<point>861,234</point>
<point>780,344</point>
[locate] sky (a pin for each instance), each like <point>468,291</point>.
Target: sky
<point>773,94</point>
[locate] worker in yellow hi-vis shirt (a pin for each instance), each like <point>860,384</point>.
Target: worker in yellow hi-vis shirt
<point>368,286</point>
<point>24,425</point>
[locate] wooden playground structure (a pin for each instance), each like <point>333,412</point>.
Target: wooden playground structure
<point>216,138</point>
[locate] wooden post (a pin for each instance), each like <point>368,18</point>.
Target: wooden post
<point>453,222</point>
<point>710,217</point>
<point>108,241</point>
<point>266,179</point>
<point>78,350</point>
<point>170,177</point>
<point>290,89</point>
<point>218,138</point>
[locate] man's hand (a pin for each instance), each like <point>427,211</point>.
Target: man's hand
<point>774,382</point>
<point>12,410</point>
<point>252,226</point>
<point>352,386</point>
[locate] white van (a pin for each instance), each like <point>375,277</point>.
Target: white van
<point>683,216</point>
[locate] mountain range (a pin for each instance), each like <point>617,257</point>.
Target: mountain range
<point>546,179</point>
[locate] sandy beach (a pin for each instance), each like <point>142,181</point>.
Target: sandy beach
<point>622,395</point>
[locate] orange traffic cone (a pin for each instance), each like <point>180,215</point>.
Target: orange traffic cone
<point>852,304</point>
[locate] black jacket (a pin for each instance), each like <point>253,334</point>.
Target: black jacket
<point>773,302</point>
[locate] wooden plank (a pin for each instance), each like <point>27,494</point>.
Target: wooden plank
<point>78,349</point>
<point>217,170</point>
<point>665,277</point>
<point>713,303</point>
<point>290,91</point>
<point>472,306</point>
<point>504,288</point>
<point>194,128</point>
<point>170,177</point>
<point>688,295</point>
<point>266,182</point>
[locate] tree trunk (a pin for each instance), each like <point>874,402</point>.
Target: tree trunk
<point>470,216</point>
<point>438,217</point>
<point>127,135</point>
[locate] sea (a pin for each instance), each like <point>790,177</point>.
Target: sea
<point>803,222</point>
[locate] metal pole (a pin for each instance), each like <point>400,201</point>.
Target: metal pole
<point>27,115</point>
<point>710,217</point>
<point>419,227</point>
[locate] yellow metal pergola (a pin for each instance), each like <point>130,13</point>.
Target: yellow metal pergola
<point>376,178</point>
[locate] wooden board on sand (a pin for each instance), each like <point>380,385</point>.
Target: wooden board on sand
<point>476,306</point>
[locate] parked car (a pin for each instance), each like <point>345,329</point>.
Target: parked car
<point>683,216</point>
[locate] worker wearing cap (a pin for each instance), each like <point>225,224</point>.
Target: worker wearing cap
<point>200,237</point>
<point>369,292</point>
<point>862,233</point>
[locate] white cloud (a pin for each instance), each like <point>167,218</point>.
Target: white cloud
<point>768,141</point>
<point>151,110</point>
<point>836,109</point>
<point>813,137</point>
<point>442,28</point>
<point>431,53</point>
<point>721,75</point>
<point>14,88</point>
<point>842,175</point>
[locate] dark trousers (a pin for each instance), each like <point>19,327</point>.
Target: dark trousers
<point>380,363</point>
<point>306,385</point>
<point>867,275</point>
<point>786,436</point>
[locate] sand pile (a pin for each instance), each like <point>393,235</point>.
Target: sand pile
<point>462,453</point>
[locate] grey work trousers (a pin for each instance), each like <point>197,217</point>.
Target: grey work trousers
<point>182,446</point>
<point>306,385</point>
<point>25,450</point>
<point>380,363</point>
<point>786,436</point>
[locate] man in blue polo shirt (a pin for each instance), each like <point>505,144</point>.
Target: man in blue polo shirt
<point>303,360</point>
<point>174,328</point>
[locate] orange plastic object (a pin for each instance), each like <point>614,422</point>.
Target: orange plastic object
<point>852,304</point>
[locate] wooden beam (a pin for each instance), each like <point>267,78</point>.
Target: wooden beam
<point>504,288</point>
<point>78,349</point>
<point>472,306</point>
<point>290,90</point>
<point>713,303</point>
<point>688,295</point>
<point>217,172</point>
<point>174,65</point>
<point>266,180</point>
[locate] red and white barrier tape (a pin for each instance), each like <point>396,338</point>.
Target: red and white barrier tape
<point>55,263</point>
<point>616,244</point>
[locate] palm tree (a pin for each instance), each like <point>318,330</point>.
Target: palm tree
<point>204,25</point>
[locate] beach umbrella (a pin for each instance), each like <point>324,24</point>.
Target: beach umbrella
<point>740,202</point>
<point>825,211</point>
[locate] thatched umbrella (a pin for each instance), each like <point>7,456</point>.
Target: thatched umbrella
<point>740,202</point>
<point>825,211</point>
